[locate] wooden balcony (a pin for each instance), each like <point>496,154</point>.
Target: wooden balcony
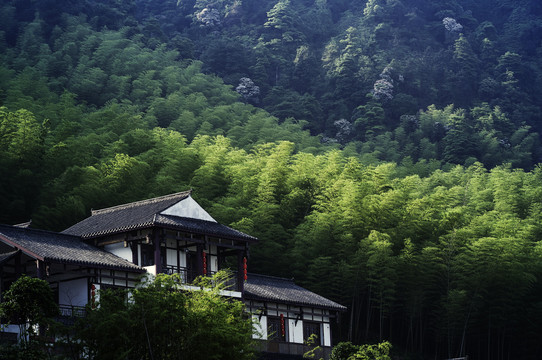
<point>287,348</point>
<point>69,314</point>
<point>189,275</point>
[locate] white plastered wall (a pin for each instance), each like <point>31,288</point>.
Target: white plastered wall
<point>295,332</point>
<point>188,208</point>
<point>150,269</point>
<point>119,250</point>
<point>74,292</point>
<point>260,326</point>
<point>213,259</point>
<point>171,257</point>
<point>326,334</point>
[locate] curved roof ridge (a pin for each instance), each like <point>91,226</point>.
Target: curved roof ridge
<point>49,232</point>
<point>181,194</point>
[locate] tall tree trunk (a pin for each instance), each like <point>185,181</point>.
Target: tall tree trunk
<point>380,318</point>
<point>420,331</point>
<point>358,313</point>
<point>368,314</point>
<point>350,329</point>
<point>489,339</point>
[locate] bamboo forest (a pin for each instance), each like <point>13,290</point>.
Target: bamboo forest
<point>386,153</point>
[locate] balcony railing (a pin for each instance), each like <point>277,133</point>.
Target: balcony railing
<point>188,276</point>
<point>69,313</point>
<point>287,348</point>
<point>72,311</point>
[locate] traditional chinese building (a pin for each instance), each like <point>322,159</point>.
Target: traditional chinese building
<point>169,234</point>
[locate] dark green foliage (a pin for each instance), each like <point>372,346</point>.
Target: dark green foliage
<point>313,61</point>
<point>343,351</point>
<point>28,303</point>
<point>29,300</point>
<point>347,351</point>
<point>160,320</point>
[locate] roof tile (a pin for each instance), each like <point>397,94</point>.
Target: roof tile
<point>262,287</point>
<point>61,248</point>
<point>147,213</point>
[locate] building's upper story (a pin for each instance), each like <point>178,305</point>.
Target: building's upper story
<point>168,234</point>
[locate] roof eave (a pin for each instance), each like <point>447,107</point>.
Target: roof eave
<point>9,242</point>
<point>149,225</point>
<point>340,308</point>
<point>94,265</point>
<point>246,238</point>
<point>116,231</point>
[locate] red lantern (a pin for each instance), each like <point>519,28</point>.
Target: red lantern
<point>93,296</point>
<point>204,263</point>
<point>282,327</point>
<point>245,268</point>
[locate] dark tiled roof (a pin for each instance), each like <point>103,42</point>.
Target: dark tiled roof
<point>61,248</point>
<point>146,213</point>
<point>268,288</point>
<point>125,217</point>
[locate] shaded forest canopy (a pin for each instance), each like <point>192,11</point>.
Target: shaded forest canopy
<point>388,150</point>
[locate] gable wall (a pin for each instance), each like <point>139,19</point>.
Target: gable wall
<point>188,208</point>
<point>119,250</point>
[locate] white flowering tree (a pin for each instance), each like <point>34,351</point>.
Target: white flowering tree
<point>383,87</point>
<point>344,130</point>
<point>208,17</point>
<point>453,28</point>
<point>248,90</point>
<point>451,25</point>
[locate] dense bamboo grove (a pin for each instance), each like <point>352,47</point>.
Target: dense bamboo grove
<point>420,212</point>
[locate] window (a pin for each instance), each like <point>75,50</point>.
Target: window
<point>147,255</point>
<point>191,266</point>
<point>274,329</point>
<point>310,328</point>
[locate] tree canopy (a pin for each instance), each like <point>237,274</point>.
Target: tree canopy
<point>161,320</point>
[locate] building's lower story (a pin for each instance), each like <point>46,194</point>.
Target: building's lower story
<point>288,315</point>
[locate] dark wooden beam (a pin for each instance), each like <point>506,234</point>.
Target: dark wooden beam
<point>156,238</point>
<point>40,270</point>
<point>199,259</point>
<point>135,253</point>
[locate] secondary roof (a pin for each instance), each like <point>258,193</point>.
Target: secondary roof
<point>60,248</point>
<point>269,288</point>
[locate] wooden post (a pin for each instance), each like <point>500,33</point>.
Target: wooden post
<point>40,269</point>
<point>199,259</point>
<point>157,256</point>
<point>134,245</point>
<point>18,263</point>
<point>240,272</point>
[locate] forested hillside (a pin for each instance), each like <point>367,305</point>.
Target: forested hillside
<point>385,152</point>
